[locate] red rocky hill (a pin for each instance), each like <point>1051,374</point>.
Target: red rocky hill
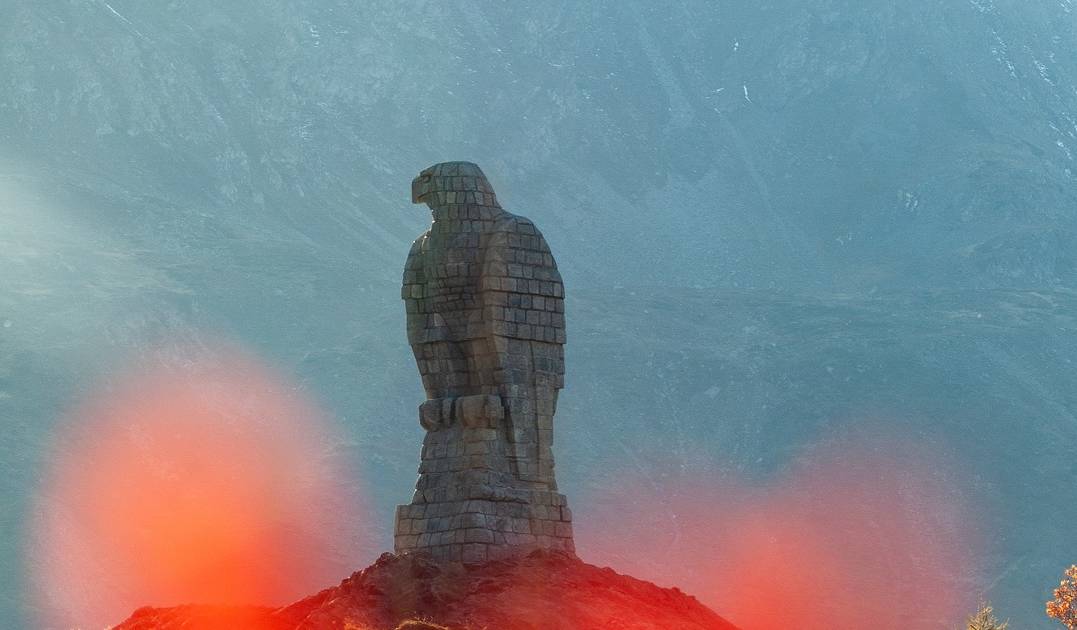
<point>544,590</point>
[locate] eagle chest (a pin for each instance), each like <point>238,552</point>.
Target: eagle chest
<point>444,288</point>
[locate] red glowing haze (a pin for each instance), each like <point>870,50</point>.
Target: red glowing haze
<point>213,484</point>
<point>210,484</point>
<point>862,533</point>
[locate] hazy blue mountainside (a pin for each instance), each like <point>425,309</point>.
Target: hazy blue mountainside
<point>782,142</point>
<point>771,217</point>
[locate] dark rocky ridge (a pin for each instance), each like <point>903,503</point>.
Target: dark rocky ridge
<point>545,590</point>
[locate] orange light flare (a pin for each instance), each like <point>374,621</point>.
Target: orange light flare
<point>211,483</point>
<point>869,531</point>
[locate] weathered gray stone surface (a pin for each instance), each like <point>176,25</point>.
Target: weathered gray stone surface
<point>486,322</point>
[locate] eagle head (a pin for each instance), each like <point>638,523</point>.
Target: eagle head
<point>434,182</point>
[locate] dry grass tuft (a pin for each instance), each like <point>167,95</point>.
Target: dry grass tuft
<point>419,624</point>
<point>985,619</point>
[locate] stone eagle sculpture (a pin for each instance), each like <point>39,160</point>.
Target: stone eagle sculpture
<point>486,323</point>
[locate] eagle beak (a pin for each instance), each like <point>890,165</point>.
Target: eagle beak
<point>416,190</point>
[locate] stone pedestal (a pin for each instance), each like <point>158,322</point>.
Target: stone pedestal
<point>469,504</point>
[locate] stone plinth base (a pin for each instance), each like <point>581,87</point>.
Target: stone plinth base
<point>474,531</point>
<point>480,494</point>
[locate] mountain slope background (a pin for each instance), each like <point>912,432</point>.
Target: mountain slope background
<point>775,220</point>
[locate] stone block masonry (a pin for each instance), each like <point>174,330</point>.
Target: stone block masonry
<point>486,323</point>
